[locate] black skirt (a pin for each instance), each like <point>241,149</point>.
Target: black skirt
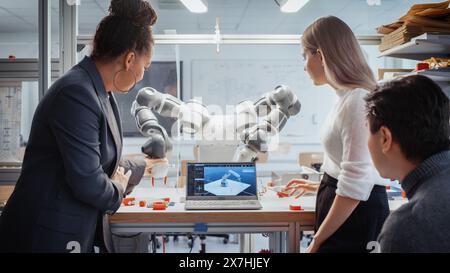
<point>361,227</point>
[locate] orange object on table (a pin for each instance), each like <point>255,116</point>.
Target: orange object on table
<point>142,203</point>
<point>295,207</point>
<point>128,201</point>
<point>281,194</point>
<point>158,205</point>
<point>403,194</point>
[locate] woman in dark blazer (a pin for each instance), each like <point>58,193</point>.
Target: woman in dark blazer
<point>72,176</point>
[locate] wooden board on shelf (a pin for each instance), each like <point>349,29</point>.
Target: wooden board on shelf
<point>383,71</point>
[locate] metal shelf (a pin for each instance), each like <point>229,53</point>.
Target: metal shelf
<point>24,70</point>
<point>420,49</point>
<point>424,47</point>
<point>438,75</point>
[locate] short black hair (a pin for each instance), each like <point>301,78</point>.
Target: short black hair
<point>416,111</point>
<point>127,28</point>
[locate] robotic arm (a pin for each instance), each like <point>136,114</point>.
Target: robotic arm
<point>275,107</point>
<point>224,182</point>
<point>192,115</point>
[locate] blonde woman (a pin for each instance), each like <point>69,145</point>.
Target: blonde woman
<point>350,207</point>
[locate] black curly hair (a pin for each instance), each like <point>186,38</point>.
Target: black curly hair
<point>128,27</point>
<point>417,112</point>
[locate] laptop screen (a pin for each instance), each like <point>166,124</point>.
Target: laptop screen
<point>221,181</point>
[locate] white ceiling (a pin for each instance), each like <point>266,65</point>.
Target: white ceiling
<point>236,16</point>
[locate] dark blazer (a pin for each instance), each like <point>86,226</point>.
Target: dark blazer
<point>65,190</point>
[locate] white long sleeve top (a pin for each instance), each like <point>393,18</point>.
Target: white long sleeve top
<point>344,136</point>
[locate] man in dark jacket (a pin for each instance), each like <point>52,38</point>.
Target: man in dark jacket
<point>409,141</point>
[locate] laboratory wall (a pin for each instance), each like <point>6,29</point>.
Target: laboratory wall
<point>224,76</point>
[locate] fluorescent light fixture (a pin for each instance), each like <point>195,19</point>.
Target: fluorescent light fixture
<point>196,6</point>
<point>290,6</point>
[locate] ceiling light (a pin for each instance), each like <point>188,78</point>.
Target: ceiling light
<point>196,6</point>
<point>374,2</point>
<point>290,6</point>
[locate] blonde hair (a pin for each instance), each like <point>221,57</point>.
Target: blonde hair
<point>344,63</point>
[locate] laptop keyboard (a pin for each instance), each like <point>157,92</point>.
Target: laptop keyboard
<point>222,204</point>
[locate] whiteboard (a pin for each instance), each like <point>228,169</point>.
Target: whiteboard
<point>227,82</point>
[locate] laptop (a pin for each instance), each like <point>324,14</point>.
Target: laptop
<point>221,186</point>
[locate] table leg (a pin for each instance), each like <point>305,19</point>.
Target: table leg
<point>293,238</point>
<point>245,241</point>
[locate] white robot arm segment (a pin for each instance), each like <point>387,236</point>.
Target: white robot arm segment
<point>274,109</point>
<point>231,172</point>
<point>276,106</point>
<point>224,182</point>
<point>283,98</point>
<point>147,101</point>
<point>163,104</point>
<point>158,143</point>
<point>192,114</point>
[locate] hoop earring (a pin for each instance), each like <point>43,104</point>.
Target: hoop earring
<point>114,80</point>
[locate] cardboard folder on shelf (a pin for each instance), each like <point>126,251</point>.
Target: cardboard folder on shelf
<point>413,27</point>
<point>423,9</point>
<point>421,18</point>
